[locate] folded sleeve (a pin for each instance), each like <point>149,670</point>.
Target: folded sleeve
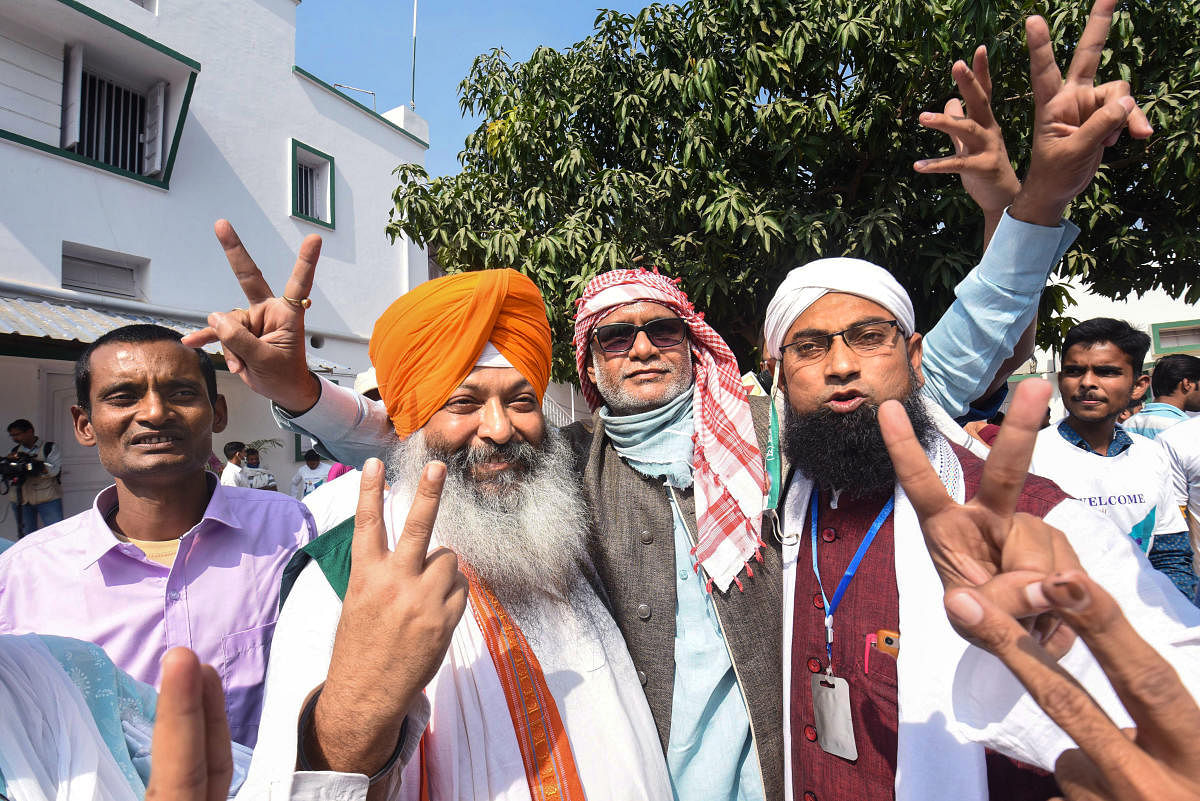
<point>993,306</point>
<point>345,426</point>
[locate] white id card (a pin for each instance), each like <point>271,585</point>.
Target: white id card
<point>831,713</point>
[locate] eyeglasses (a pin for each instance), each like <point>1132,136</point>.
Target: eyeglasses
<point>865,339</point>
<point>665,332</point>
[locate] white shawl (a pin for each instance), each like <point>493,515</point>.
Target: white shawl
<point>50,748</point>
<point>954,699</point>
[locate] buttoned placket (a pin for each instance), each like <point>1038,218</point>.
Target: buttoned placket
<point>177,628</point>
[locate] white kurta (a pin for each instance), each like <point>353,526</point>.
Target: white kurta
<point>954,699</point>
<point>471,749</point>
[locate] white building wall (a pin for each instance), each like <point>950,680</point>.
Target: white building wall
<point>233,161</point>
<point>31,74</point>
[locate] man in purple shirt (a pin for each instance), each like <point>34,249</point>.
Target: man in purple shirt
<point>167,557</point>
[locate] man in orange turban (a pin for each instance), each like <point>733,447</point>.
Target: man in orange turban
<point>428,341</point>
<point>532,694</point>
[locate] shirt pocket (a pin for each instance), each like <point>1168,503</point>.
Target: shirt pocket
<point>243,672</point>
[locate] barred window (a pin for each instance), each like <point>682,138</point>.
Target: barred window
<point>312,185</point>
<point>111,123</point>
<point>306,190</point>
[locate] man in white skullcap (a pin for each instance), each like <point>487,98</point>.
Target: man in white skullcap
<point>880,694</point>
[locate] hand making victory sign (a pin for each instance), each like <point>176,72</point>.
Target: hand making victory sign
<point>985,543</point>
<point>980,158</point>
<point>264,344</point>
<point>1074,119</point>
<point>400,611</point>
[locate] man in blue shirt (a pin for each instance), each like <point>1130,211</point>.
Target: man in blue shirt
<point>1175,383</point>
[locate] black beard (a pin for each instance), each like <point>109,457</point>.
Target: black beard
<point>846,451</point>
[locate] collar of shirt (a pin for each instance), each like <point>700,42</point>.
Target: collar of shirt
<point>101,540</point>
<point>1164,410</point>
<point>1121,441</point>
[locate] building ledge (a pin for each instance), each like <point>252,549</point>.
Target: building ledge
<point>313,79</point>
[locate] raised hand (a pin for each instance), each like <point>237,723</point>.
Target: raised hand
<point>985,543</point>
<point>400,611</point>
<point>980,158</point>
<point>1161,761</point>
<point>1074,119</point>
<point>191,756</point>
<point>264,344</point>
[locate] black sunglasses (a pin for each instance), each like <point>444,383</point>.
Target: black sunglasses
<point>666,332</point>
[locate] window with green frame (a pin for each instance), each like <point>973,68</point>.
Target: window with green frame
<point>312,185</point>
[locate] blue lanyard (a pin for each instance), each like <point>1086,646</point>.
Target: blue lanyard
<point>844,584</point>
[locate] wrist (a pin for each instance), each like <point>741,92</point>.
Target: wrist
<point>347,739</point>
<point>1036,209</point>
<point>300,396</point>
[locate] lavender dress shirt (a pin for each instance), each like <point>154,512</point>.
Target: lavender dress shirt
<point>220,598</point>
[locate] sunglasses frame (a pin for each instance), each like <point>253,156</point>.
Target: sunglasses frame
<point>638,329</point>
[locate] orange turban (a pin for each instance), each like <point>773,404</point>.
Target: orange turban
<point>427,342</point>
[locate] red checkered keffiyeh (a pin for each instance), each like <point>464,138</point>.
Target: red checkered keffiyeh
<point>730,481</point>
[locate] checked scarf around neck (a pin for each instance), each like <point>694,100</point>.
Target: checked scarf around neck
<point>730,481</point>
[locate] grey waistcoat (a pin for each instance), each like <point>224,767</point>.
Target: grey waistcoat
<point>633,550</point>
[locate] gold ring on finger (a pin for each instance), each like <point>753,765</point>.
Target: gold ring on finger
<point>299,303</point>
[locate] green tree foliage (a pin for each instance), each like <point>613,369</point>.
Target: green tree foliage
<point>728,141</point>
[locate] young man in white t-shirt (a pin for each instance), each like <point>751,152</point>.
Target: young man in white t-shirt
<point>1122,475</point>
<point>311,475</point>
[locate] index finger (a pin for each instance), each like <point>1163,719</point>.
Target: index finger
<point>370,533</point>
<point>254,286</point>
<point>913,470</point>
<point>413,543</point>
<point>1007,465</point>
<point>1044,76</point>
<point>1086,59</point>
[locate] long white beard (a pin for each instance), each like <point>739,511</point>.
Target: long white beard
<point>526,539</point>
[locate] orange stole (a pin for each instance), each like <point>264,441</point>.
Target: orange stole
<point>549,764</point>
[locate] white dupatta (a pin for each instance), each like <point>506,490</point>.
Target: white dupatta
<point>933,760</point>
<point>50,748</point>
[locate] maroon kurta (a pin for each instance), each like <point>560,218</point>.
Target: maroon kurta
<point>872,603</point>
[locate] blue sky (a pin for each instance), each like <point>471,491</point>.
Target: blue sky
<point>368,44</point>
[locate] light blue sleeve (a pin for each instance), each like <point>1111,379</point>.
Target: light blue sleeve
<point>345,425</point>
<point>994,305</point>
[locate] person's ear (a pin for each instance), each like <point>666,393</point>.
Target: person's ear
<point>916,347</point>
<point>84,434</point>
<point>220,415</point>
<point>1140,385</point>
